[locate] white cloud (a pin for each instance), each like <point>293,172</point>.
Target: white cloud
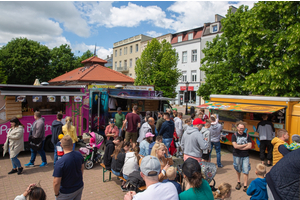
<point>153,34</point>
<point>100,51</point>
<point>40,21</point>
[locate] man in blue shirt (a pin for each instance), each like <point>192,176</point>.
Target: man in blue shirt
<point>68,172</point>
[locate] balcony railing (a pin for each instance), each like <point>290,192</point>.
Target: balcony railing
<point>122,69</point>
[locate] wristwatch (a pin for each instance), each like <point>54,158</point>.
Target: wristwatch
<point>57,194</point>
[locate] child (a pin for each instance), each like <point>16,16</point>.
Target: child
<point>171,175</point>
<point>296,143</point>
<point>223,191</point>
<point>59,149</point>
<point>258,188</point>
<point>216,119</point>
<point>159,139</point>
<point>206,136</point>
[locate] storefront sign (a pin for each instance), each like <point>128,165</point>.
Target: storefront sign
<point>149,88</point>
<point>37,98</point>
<point>51,98</point>
<point>20,98</point>
<point>183,88</point>
<point>64,99</point>
<point>77,98</point>
<point>101,86</point>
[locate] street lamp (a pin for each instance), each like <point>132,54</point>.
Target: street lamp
<point>187,97</point>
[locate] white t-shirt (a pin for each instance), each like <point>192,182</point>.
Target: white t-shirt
<point>161,191</point>
<point>112,103</point>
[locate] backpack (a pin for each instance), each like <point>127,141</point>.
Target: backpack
<point>134,181</point>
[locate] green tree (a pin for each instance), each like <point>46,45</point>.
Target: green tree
<point>257,52</point>
<point>158,66</point>
<point>3,77</point>
<point>62,60</point>
<point>84,56</point>
<point>25,60</point>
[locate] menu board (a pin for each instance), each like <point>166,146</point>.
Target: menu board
<point>77,98</point>
<point>20,98</point>
<point>51,98</point>
<point>37,98</point>
<point>64,99</point>
<point>228,115</point>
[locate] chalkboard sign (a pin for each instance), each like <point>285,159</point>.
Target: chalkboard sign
<point>228,115</point>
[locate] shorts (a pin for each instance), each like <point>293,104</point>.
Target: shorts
<point>241,164</point>
<point>205,156</point>
<point>132,136</point>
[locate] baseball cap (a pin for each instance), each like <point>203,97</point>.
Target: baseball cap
<point>149,135</point>
<point>174,109</point>
<point>112,120</point>
<point>119,109</point>
<point>150,166</point>
<point>296,138</point>
<point>198,121</point>
<point>190,166</point>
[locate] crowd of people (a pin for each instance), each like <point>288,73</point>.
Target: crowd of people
<point>146,151</point>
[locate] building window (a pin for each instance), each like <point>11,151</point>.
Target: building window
<point>215,28</point>
<point>120,64</point>
<point>180,38</point>
<point>194,76</point>
<point>125,50</point>
<point>130,75</point>
<point>190,36</point>
<point>125,63</point>
<point>115,65</point>
<point>184,56</point>
<point>120,52</point>
<point>130,49</point>
<point>183,78</point>
<point>194,55</point>
<point>130,63</point>
<point>116,53</point>
<point>136,48</point>
<point>136,59</point>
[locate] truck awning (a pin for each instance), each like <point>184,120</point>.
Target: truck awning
<point>254,108</point>
<point>141,97</point>
<point>41,93</point>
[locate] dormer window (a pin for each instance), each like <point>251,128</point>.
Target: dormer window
<point>190,36</point>
<point>180,38</point>
<point>214,28</point>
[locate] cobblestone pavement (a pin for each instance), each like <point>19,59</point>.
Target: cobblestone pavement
<point>94,188</point>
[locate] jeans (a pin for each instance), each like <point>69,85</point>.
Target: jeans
<point>116,173</point>
<point>15,162</point>
<point>120,132</point>
<point>218,151</point>
<point>74,144</point>
<point>41,152</point>
<point>241,164</point>
<point>126,177</point>
<point>55,156</point>
<point>167,142</point>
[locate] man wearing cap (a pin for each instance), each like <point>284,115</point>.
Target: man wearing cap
<point>111,130</point>
<point>192,141</point>
<point>150,169</point>
<point>68,171</point>
<point>119,119</point>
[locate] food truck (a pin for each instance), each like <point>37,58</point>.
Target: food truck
<point>22,100</point>
<point>284,112</point>
<point>146,100</point>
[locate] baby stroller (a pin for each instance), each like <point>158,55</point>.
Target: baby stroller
<point>90,152</point>
<point>208,171</point>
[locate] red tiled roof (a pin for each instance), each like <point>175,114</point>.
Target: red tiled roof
<point>94,73</point>
<point>94,60</point>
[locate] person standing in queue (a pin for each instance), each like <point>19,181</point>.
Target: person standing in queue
<point>160,120</point>
<point>279,149</point>
<point>266,132</point>
<point>38,131</point>
<point>56,130</point>
<point>241,142</point>
<point>69,129</point>
<point>167,130</point>
<point>119,119</point>
<point>133,122</point>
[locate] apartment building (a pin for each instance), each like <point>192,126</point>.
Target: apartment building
<point>187,45</point>
<point>167,37</point>
<point>126,53</point>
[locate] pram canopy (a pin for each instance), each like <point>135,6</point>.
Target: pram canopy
<point>98,139</point>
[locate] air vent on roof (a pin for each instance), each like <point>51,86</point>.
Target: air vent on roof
<point>44,83</point>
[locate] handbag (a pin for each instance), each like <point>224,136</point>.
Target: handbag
<point>35,143</point>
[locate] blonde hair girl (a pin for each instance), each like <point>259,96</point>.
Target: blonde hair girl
<point>69,129</point>
<point>223,191</point>
<point>159,150</point>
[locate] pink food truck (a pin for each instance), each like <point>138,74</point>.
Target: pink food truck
<point>22,100</point>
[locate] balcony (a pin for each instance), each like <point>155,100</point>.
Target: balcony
<point>122,69</point>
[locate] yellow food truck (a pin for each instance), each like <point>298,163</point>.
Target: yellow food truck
<point>283,112</point>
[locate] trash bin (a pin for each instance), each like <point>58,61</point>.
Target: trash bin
<point>192,110</point>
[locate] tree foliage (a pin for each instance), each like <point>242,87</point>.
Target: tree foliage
<point>158,66</point>
<point>84,56</point>
<point>257,53</point>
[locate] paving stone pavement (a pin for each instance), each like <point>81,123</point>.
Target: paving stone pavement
<point>13,185</point>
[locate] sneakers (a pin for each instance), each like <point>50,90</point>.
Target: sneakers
<point>124,189</point>
<point>269,165</point>
<point>221,166</point>
<point>29,164</point>
<point>20,170</point>
<point>238,186</point>
<point>245,189</point>
<point>43,164</point>
<point>13,171</point>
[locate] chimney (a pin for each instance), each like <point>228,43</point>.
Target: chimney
<point>233,9</point>
<point>107,56</point>
<point>218,17</point>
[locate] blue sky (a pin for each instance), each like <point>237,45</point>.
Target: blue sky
<point>82,24</point>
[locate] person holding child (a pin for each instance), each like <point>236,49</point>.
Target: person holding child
<point>279,149</point>
<point>207,137</point>
<point>258,187</point>
<point>56,129</point>
<point>296,143</point>
<point>58,147</point>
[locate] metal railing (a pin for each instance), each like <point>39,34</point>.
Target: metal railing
<point>121,69</point>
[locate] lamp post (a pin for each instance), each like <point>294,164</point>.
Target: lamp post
<point>187,97</point>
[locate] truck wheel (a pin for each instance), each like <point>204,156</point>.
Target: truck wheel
<point>48,145</point>
<point>230,148</point>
